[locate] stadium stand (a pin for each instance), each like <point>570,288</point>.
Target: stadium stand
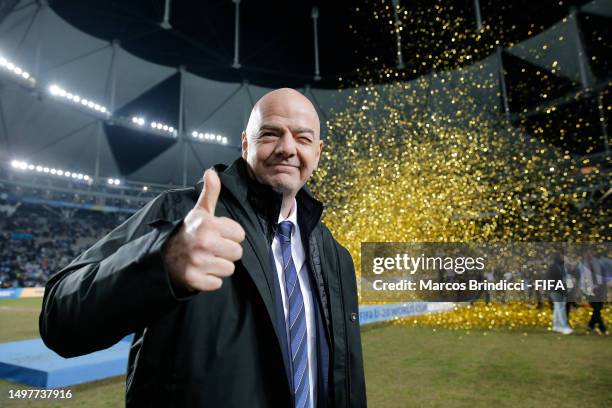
<point>37,239</point>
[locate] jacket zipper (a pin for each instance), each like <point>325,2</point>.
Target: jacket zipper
<point>346,339</point>
<point>312,268</point>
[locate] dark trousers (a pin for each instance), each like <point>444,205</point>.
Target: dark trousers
<point>596,317</point>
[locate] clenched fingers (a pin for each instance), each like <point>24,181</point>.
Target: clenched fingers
<point>221,247</point>
<point>212,265</point>
<point>230,229</point>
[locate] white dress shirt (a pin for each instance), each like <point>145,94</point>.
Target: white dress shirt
<point>299,260</point>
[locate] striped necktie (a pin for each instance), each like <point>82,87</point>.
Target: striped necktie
<point>296,321</point>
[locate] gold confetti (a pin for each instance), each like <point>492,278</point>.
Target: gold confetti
<point>512,316</point>
<point>430,160</point>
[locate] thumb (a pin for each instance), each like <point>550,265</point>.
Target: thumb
<point>210,192</point>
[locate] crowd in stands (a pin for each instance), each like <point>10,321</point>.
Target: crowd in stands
<point>36,240</point>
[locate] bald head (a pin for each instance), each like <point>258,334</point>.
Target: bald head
<point>284,101</point>
<point>282,142</point>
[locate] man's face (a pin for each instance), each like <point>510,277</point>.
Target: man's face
<point>282,144</point>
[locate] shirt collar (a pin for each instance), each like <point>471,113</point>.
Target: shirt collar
<point>292,217</point>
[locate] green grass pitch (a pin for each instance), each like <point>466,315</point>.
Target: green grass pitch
<point>415,367</point>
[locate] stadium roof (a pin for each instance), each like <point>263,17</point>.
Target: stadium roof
<point>118,56</point>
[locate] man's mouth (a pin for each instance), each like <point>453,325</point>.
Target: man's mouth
<point>284,165</point>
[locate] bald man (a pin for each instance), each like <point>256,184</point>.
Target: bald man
<point>237,294</point>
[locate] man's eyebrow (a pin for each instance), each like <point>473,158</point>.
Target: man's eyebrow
<point>277,129</point>
<point>303,130</point>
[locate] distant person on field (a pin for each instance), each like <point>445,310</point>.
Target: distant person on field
<point>558,295</point>
<point>593,283</point>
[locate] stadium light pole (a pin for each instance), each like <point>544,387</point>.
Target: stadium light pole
<point>315,19</point>
<point>398,36</point>
<point>236,63</point>
<point>478,16</point>
<point>165,24</point>
<point>502,83</point>
<point>113,77</point>
<point>181,121</point>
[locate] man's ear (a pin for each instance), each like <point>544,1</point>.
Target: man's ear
<point>245,145</point>
<point>319,154</point>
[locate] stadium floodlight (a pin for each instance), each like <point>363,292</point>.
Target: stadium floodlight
<point>209,136</point>
<point>145,188</point>
<point>138,120</point>
<point>113,181</point>
<point>15,70</point>
<point>164,127</point>
<point>23,165</point>
<point>18,164</point>
<point>62,93</point>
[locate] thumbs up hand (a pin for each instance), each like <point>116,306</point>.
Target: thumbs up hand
<point>204,249</point>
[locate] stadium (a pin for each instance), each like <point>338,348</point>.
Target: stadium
<point>450,128</point>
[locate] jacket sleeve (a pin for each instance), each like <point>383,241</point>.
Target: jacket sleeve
<point>114,288</point>
<point>357,377</point>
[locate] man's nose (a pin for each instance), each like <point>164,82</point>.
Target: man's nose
<point>286,145</point>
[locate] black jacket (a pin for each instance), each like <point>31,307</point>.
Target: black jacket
<point>556,273</point>
<point>211,349</point>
